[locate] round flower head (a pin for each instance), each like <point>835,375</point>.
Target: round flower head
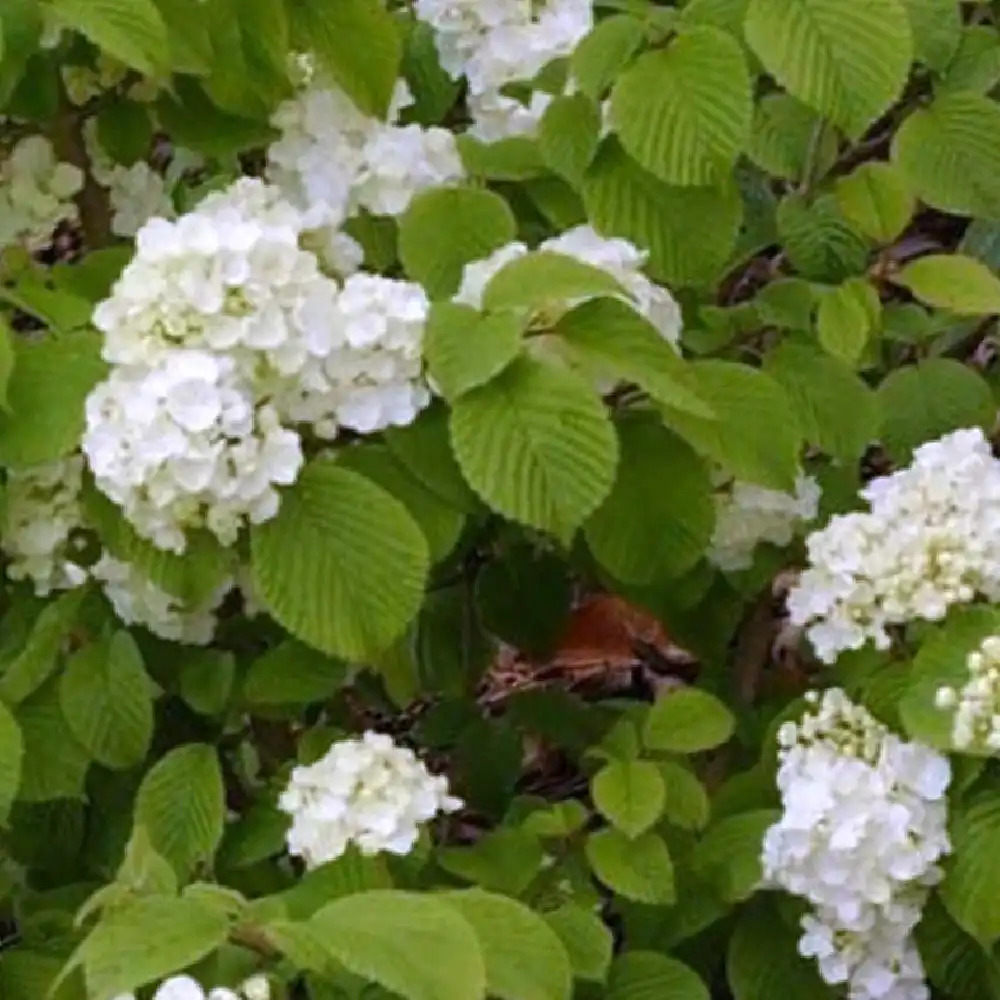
<point>975,706</point>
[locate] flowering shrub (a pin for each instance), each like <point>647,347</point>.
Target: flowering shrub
<point>499,499</point>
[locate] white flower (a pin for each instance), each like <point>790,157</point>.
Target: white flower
<point>42,511</point>
<point>930,540</point>
<point>496,116</point>
<point>863,827</point>
<point>186,988</point>
<point>975,706</point>
<point>747,515</point>
<point>366,791</point>
<point>183,445</point>
<point>138,601</point>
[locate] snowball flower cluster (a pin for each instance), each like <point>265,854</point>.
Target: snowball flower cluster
<point>747,515</point>
<point>36,193</point>
<point>332,160</point>
<point>863,827</point>
<point>618,257</point>
<point>930,540</point>
<point>976,705</point>
<point>367,792</point>
<point>185,988</point>
<point>42,512</point>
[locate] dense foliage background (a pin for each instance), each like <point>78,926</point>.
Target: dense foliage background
<point>492,415</point>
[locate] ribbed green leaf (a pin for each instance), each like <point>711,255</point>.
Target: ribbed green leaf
<point>545,277</point>
<point>536,445</point>
<point>683,112</point>
<point>728,855</point>
<point>292,674</point>
<point>819,240</point>
<point>954,962</point>
<point>976,64</point>
<point>847,60</point>
<point>937,30</point>
<point>972,884</point>
<point>688,721</point>
<point>54,765</point>
<point>11,751</point>
<point>20,28</point>
<point>687,803</point>
<point>568,135</point>
<point>950,152</point>
<point>639,869</point>
<point>952,281</point>
<point>846,317</point>
<point>643,975</point>
<point>876,200</point>
<point>605,51</point>
<point>343,564</point>
<point>586,938</point>
<point>181,805</point>
<point>130,30</point>
<point>629,794</point>
<point>784,139</point>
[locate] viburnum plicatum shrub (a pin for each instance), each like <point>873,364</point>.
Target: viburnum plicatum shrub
<point>499,499</point>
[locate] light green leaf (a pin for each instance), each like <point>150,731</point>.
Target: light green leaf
<point>292,674</point>
<point>106,698</point>
<point>976,65</point>
<point>414,945</point>
<point>784,138</point>
<point>728,855</point>
<point>568,135</point>
<point>11,751</point>
<point>624,200</point>
<point>366,70</point>
<point>756,436</point>
<point>8,358</point>
<point>586,938</point>
<point>604,52</point>
<point>629,794</point>
<point>464,348</point>
<point>206,680</point>
<point>46,392</point>
<point>446,228</point>
<point>190,45</point>
<point>688,720</point>
<point>950,153</point>
<point>937,30</point>
<point>181,804</point>
<point>846,317</point>
<point>922,402</point>
<point>543,278</point>
<point>972,883</point>
<point>612,339</point>
<point>514,159</point>
<point>146,941</point>
<point>639,869</point>
<point>657,521</point>
<point>642,975</point>
<point>500,860</point>
<point>818,239</point>
<point>524,958</point>
<point>132,31</point>
<point>343,564</point>
<point>536,445</point>
<point>687,803</point>
<point>953,961</point>
<point>952,281</point>
<point>20,28</point>
<point>876,199</point>
<point>142,870</point>
<point>848,61</point>
<point>53,765</point>
<point>683,112</point>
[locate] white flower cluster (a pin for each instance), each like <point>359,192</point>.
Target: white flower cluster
<point>930,540</point>
<point>863,827</point>
<point>42,512</point>
<point>496,43</point>
<point>618,257</point>
<point>332,160</point>
<point>36,193</point>
<point>185,988</point>
<point>224,332</point>
<point>747,515</point>
<point>366,791</point>
<point>976,705</point>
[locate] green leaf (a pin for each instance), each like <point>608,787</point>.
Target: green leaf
<point>937,30</point>
<point>568,135</point>
<point>687,720</point>
<point>125,132</point>
<point>206,680</point>
<point>446,228</point>
<point>464,348</point>
<point>849,62</point>
<point>960,284</point>
<point>20,29</point>
<point>181,804</point>
<point>611,338</point>
<point>624,200</point>
<point>639,869</point>
<point>33,665</point>
<point>950,153</point>
<point>514,159</point>
<point>657,521</point>
<point>604,52</point>
<point>756,436</point>
<point>586,938</point>
<point>641,975</point>
<point>838,412</point>
<point>343,564</point>
<point>876,199</point>
<point>629,794</point>
<point>846,317</point>
<point>292,674</point>
<point>922,402</point>
<point>953,961</point>
<point>366,71</point>
<point>972,883</point>
<point>524,958</point>
<point>46,392</point>
<point>11,752</point>
<point>414,945</point>
<point>8,358</point>
<point>543,278</point>
<point>683,112</point>
<point>500,860</point>
<point>976,65</point>
<point>106,698</point>
<point>433,89</point>
<point>536,445</point>
<point>783,141</point>
<point>687,803</point>
<point>132,31</point>
<point>190,45</point>
<point>818,239</point>
<point>147,940</point>
<point>53,765</point>
<point>728,855</point>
